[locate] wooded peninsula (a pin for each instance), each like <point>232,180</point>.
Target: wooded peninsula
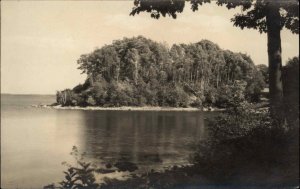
<point>141,72</point>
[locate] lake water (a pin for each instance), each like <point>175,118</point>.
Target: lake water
<point>35,141</point>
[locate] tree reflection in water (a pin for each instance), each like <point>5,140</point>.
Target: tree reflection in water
<point>150,140</point>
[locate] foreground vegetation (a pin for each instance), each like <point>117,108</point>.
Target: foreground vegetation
<point>244,148</point>
<point>138,72</point>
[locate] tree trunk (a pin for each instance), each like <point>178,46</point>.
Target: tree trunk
<point>275,63</point>
<point>117,73</point>
<point>135,71</point>
<point>218,70</point>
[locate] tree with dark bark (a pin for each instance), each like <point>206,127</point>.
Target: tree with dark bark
<point>267,16</point>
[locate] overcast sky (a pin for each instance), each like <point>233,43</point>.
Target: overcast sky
<point>41,40</point>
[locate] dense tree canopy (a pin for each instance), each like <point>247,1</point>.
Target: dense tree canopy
<point>138,71</point>
<point>268,16</point>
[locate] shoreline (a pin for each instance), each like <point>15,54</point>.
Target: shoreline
<point>128,108</point>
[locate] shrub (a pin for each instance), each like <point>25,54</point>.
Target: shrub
<point>78,100</point>
<point>243,142</point>
<point>150,95</point>
<point>120,95</point>
<point>91,101</point>
<point>80,176</point>
<point>99,92</point>
<point>231,95</point>
<point>254,87</point>
<point>210,96</point>
<point>161,96</point>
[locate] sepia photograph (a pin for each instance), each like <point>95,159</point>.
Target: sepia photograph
<point>149,94</point>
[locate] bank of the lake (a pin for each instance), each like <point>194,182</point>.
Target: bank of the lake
<point>130,108</point>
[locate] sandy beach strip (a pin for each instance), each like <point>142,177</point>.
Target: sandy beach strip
<point>123,108</point>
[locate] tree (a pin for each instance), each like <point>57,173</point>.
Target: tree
<point>138,71</point>
<point>264,71</point>
<point>268,16</point>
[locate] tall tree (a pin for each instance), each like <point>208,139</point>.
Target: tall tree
<point>268,16</point>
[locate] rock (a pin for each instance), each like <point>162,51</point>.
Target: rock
<point>108,165</point>
<point>105,171</point>
<point>126,166</point>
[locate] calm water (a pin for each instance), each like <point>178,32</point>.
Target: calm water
<point>34,141</point>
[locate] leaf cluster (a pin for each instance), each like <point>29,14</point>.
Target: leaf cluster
<point>253,13</point>
<point>80,176</point>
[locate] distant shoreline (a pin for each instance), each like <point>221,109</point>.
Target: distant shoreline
<point>29,94</point>
<point>128,108</point>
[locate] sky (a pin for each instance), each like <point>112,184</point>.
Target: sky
<point>42,40</point>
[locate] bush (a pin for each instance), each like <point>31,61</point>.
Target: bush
<point>254,87</point>
<point>237,122</point>
<point>176,97</point>
<point>230,95</point>
<point>80,176</point>
<point>78,100</point>
<point>246,143</point>
<point>210,96</point>
<point>150,95</point>
<point>91,101</point>
<point>99,92</point>
<point>119,94</point>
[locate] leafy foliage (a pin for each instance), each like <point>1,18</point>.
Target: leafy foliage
<point>254,86</point>
<point>80,176</point>
<point>69,182</point>
<point>246,142</point>
<point>253,13</point>
<point>264,71</point>
<point>138,71</point>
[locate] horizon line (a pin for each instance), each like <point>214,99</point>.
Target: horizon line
<point>26,93</point>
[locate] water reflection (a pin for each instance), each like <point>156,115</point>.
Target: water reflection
<point>148,139</point>
<point>34,141</point>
